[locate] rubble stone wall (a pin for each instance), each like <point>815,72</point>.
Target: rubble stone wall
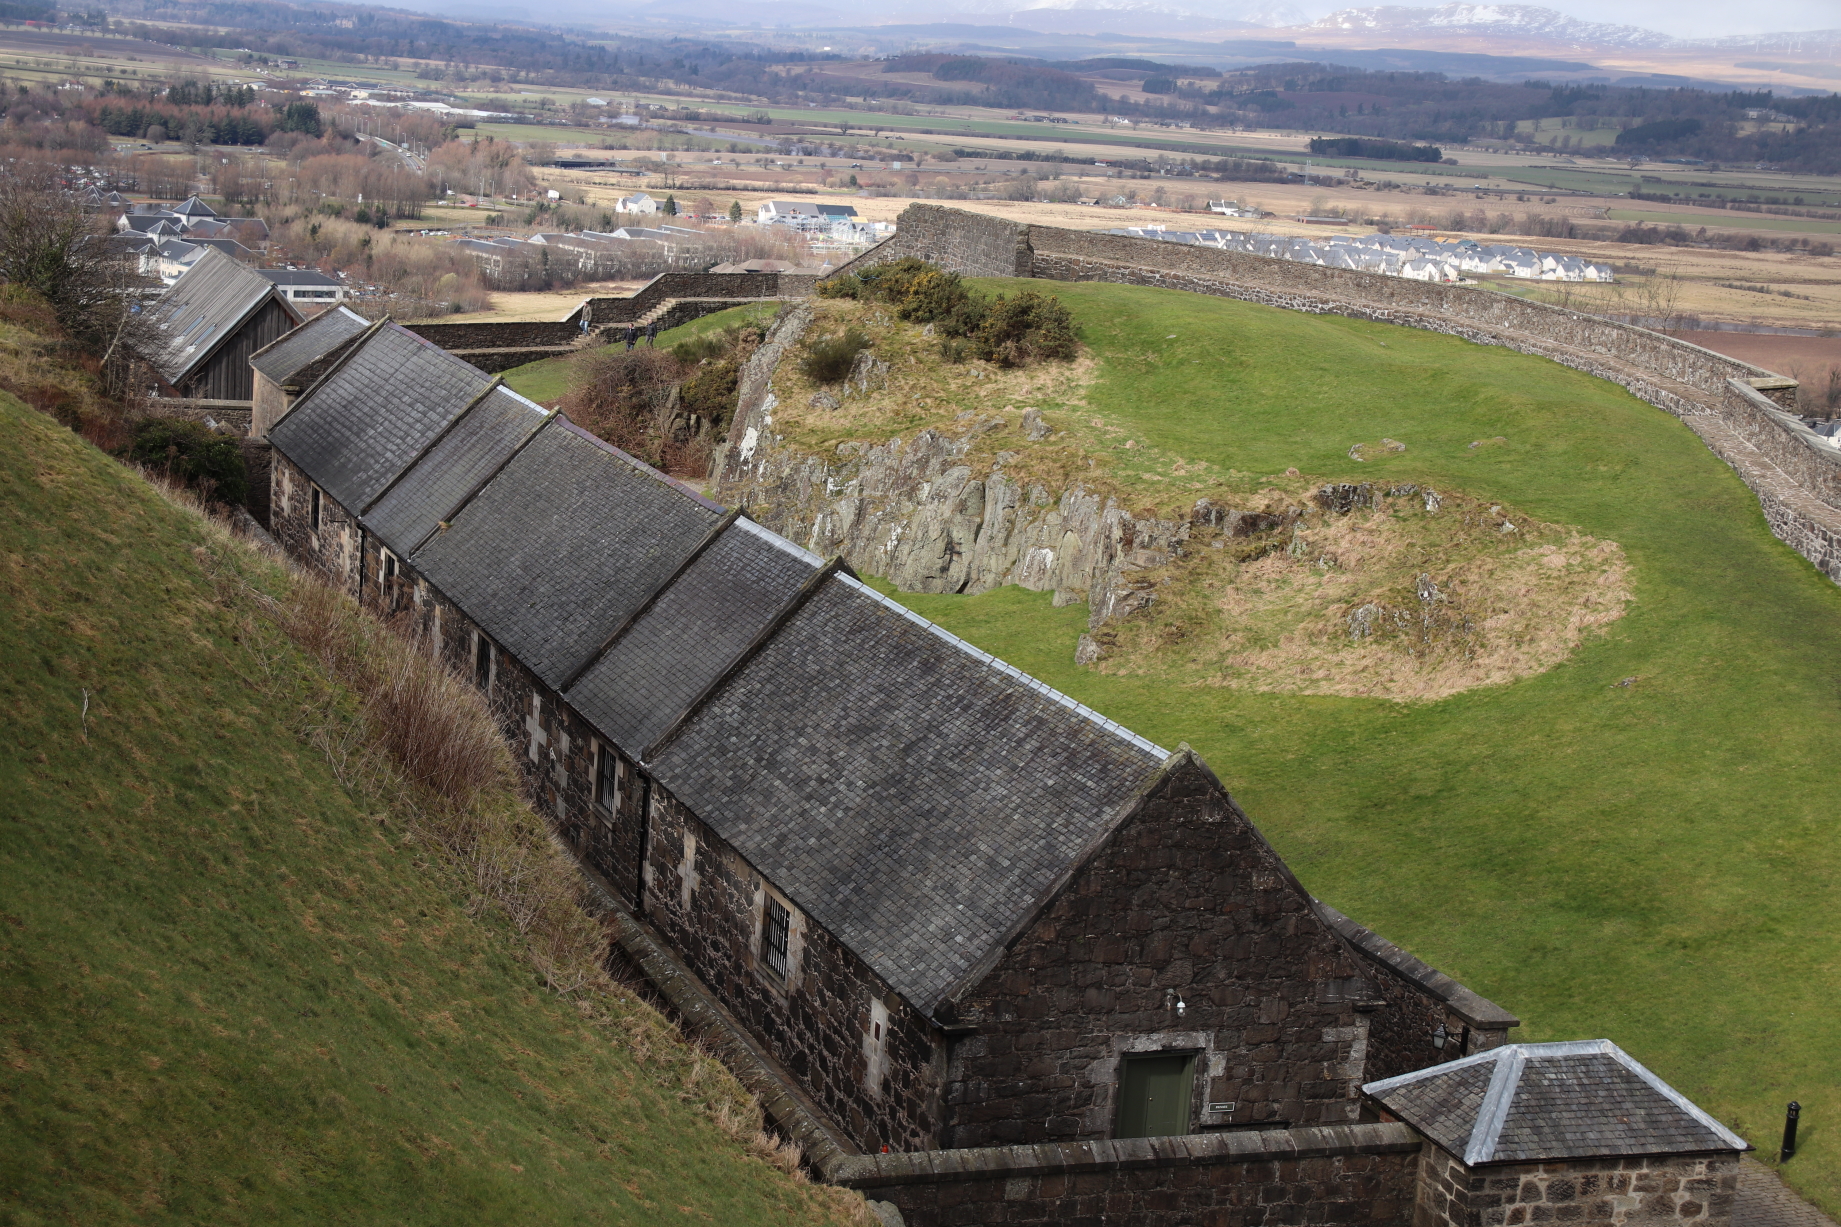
<point>1645,1191</point>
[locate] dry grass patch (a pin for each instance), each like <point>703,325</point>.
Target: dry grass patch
<point>1414,598</point>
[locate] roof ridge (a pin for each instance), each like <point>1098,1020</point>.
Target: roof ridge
<point>485,481</point>
<point>430,446</point>
<point>1004,667</point>
<point>1503,1083</point>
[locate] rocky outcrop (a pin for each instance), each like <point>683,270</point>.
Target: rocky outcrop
<point>916,511</point>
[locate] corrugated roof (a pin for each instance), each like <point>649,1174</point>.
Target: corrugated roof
<point>208,303</point>
<point>914,795</point>
<point>308,343</point>
<point>562,546</point>
<point>373,415</point>
<point>1572,1100</point>
<point>688,636</point>
<point>433,487</point>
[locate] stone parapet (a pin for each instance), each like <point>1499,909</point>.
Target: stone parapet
<point>1355,1173</point>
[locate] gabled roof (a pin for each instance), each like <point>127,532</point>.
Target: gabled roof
<point>916,796</point>
<point>213,298</point>
<point>455,464</point>
<point>308,343</point>
<point>375,412</point>
<point>1526,1103</point>
<point>562,545</point>
<point>683,641</point>
<point>191,206</point>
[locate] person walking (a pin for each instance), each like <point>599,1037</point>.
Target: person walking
<point>632,336</point>
<point>652,334</point>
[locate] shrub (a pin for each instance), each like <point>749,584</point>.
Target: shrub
<point>933,297</point>
<point>829,359</point>
<point>1028,328</point>
<point>187,453</point>
<point>847,286</point>
<point>617,395</point>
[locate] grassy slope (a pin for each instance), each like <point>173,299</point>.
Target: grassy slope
<point>227,994</point>
<point>1653,863</point>
<point>546,381</point>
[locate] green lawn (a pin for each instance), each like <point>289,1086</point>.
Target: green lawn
<point>230,995</point>
<point>1650,864</point>
<point>547,380</point>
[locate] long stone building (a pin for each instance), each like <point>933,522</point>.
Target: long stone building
<point>943,909</point>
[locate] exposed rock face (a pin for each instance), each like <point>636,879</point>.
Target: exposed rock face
<point>914,511</point>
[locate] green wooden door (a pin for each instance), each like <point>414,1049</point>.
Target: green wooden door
<point>1154,1094</point>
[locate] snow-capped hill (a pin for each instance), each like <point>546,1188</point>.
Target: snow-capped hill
<point>1497,20</point>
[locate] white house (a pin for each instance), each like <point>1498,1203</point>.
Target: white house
<point>638,202</point>
<point>805,214</point>
<point>306,288</point>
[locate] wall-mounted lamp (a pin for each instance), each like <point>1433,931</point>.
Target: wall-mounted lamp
<point>1442,1036</point>
<point>1182,1007</point>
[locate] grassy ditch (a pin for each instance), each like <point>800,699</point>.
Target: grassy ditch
<point>279,941</point>
<point>1638,842</point>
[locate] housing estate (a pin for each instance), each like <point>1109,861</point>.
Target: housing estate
<point>1412,257</point>
<point>987,940</point>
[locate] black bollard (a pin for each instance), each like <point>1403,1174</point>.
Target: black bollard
<point>1789,1131</point>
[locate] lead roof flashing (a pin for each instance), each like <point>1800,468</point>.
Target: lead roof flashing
<point>1550,1102</point>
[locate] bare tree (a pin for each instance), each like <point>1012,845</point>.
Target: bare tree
<point>53,246</point>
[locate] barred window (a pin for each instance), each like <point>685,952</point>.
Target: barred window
<point>315,511</point>
<point>482,661</point>
<point>775,930</point>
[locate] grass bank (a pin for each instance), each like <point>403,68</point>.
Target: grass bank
<point>239,983</point>
<point>1653,862</point>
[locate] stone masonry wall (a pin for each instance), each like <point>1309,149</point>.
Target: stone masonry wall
<point>1343,1174</point>
<point>1185,933</point>
<point>1643,1191</point>
<point>868,1060</point>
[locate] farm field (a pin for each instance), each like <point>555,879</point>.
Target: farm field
<point>1644,861</point>
<point>231,990</point>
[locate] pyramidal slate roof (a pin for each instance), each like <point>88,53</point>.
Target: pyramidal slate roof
<point>1524,1103</point>
<point>914,795</point>
<point>470,451</point>
<point>375,412</point>
<point>210,301</point>
<point>308,343</point>
<point>564,544</point>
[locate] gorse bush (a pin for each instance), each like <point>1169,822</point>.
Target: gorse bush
<point>1031,327</point>
<point>186,452</point>
<point>829,359</point>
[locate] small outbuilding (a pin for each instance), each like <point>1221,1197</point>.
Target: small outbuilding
<point>1575,1131</point>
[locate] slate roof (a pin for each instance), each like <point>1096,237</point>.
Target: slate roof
<point>912,794</point>
<point>685,639</point>
<point>374,414</point>
<point>562,546</point>
<point>208,303</point>
<point>1524,1103</point>
<point>308,343</point>
<point>430,490</point>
